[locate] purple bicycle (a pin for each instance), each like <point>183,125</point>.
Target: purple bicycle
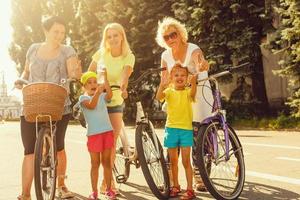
<point>218,152</point>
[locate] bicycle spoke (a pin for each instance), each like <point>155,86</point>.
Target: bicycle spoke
<point>223,173</point>
<point>152,160</point>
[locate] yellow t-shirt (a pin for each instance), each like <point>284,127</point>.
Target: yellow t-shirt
<point>114,67</point>
<point>179,112</point>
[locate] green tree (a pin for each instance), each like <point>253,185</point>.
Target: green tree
<point>26,24</point>
<point>229,32</point>
<point>289,39</point>
<point>88,25</point>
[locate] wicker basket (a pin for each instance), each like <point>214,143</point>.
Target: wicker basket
<point>43,99</point>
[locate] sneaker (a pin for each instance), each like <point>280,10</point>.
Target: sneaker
<point>113,187</point>
<point>93,196</point>
<point>110,194</point>
<point>174,191</point>
<point>64,193</point>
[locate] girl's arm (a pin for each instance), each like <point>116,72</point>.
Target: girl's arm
<point>164,73</point>
<point>164,82</point>
<point>107,87</point>
<point>160,95</point>
<point>91,104</point>
<point>199,60</point>
<point>193,86</point>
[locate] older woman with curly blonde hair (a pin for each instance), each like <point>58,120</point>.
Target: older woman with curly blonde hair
<point>172,35</point>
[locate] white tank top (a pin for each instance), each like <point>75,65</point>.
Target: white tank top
<point>202,106</point>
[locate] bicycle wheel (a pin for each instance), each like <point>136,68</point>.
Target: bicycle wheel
<point>121,166</point>
<point>223,178</point>
<point>45,165</point>
<point>153,164</point>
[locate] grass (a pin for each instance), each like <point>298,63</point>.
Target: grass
<point>282,122</point>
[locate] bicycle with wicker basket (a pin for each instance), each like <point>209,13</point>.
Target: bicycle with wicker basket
<point>44,106</point>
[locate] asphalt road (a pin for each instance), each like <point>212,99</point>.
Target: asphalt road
<point>272,165</point>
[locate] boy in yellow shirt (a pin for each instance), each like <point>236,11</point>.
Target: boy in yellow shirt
<point>179,130</point>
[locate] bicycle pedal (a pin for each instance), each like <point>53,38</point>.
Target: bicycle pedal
<point>121,179</point>
<point>137,163</point>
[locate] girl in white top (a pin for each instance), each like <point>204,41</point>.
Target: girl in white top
<point>172,36</point>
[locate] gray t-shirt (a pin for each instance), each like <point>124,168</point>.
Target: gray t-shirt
<point>49,70</point>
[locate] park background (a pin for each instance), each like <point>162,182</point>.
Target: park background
<point>265,34</point>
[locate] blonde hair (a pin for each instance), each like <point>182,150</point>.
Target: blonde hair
<point>104,47</point>
<point>164,25</point>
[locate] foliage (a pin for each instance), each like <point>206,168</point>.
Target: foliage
<point>90,18</point>
<point>25,24</point>
<point>228,32</point>
<point>243,110</point>
<point>278,123</point>
<point>288,38</point>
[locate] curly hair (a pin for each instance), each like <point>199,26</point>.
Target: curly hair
<point>164,25</point>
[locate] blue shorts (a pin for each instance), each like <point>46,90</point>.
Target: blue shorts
<point>116,109</point>
<point>175,137</point>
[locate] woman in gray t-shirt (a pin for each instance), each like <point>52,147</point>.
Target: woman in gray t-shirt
<point>50,61</point>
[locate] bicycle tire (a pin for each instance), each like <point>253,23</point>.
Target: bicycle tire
<point>121,166</point>
<point>144,134</point>
<point>45,165</point>
<point>214,185</point>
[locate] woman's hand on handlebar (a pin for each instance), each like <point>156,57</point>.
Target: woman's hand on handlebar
<point>19,83</point>
<point>124,94</point>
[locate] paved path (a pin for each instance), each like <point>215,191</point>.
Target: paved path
<point>272,165</point>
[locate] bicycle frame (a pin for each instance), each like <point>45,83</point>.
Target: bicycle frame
<point>140,118</point>
<point>218,115</point>
<point>52,131</point>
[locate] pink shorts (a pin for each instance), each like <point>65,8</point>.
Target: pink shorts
<point>99,142</point>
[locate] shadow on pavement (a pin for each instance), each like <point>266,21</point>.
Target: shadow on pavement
<point>135,194</point>
<point>147,191</point>
<point>259,191</point>
<point>251,191</point>
<point>76,197</point>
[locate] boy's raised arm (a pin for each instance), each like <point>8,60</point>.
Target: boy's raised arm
<point>160,95</point>
<point>193,86</point>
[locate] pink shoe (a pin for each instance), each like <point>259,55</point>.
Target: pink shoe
<point>93,196</point>
<point>110,194</point>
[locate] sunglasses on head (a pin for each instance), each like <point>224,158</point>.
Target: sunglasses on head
<point>172,36</point>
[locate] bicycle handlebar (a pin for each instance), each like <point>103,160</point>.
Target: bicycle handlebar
<point>147,72</point>
<point>228,71</point>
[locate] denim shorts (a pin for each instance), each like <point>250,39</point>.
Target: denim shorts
<point>116,109</point>
<point>175,137</point>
